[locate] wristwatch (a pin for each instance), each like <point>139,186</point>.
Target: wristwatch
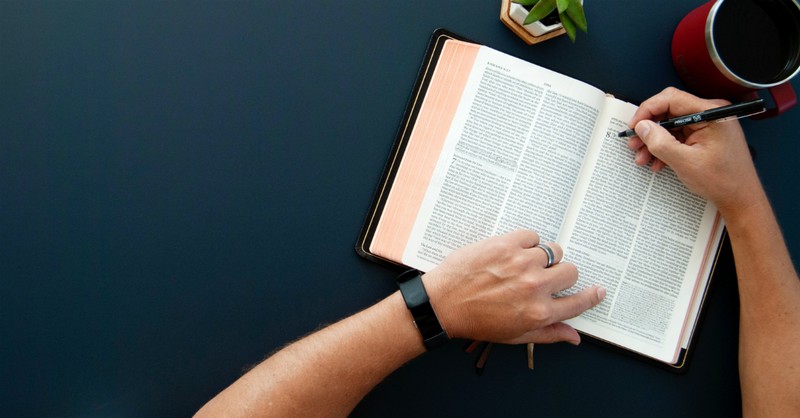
<point>419,304</point>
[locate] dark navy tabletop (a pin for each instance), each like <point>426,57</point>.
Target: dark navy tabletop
<point>182,184</point>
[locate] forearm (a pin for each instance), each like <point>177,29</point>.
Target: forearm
<point>769,292</point>
<point>497,290</point>
<point>329,372</point>
<point>713,160</point>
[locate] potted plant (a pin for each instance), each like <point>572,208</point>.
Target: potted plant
<point>538,20</point>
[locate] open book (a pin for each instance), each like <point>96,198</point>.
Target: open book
<point>491,143</point>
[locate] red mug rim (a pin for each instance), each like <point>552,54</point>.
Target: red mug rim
<point>715,58</point>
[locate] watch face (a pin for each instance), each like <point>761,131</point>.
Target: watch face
<point>426,320</point>
<point>412,289</point>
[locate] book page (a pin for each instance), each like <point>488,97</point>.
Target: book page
<point>425,143</point>
<point>704,277</point>
<point>510,160</point>
<point>642,235</point>
<point>502,144</point>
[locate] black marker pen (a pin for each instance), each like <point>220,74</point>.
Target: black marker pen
<point>734,111</point>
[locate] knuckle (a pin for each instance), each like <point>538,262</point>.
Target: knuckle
<point>540,315</point>
<point>532,235</point>
<point>669,90</point>
<point>496,249</point>
<point>517,258</point>
<point>532,286</point>
<point>570,270</point>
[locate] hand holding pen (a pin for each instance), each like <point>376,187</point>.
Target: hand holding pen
<point>719,114</point>
<point>713,161</point>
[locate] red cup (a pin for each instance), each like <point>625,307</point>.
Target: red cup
<point>733,48</point>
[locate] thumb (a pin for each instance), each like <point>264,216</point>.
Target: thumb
<point>659,141</point>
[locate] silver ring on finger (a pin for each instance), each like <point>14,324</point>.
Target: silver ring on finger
<point>551,256</point>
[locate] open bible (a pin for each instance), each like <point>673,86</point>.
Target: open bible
<point>490,143</point>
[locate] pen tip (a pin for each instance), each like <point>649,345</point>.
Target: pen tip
<point>626,134</point>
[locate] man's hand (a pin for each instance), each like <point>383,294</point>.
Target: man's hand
<point>496,290</point>
<point>712,159</point>
<point>499,290</point>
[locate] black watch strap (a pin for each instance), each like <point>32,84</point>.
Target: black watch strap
<point>418,303</point>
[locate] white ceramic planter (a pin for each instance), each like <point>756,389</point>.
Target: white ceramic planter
<point>519,13</point>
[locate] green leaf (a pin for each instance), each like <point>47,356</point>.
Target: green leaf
<point>569,26</point>
<point>562,5</point>
<point>577,15</point>
<point>542,9</point>
<point>526,2</point>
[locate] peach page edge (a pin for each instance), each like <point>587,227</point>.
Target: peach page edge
<point>424,147</point>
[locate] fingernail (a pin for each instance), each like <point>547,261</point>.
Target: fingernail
<point>642,128</point>
<point>601,293</point>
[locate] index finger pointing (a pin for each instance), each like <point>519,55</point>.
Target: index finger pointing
<point>573,305</point>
